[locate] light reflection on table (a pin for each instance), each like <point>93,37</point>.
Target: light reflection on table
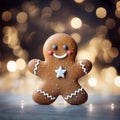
<point>21,107</point>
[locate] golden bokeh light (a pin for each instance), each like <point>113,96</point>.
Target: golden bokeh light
<point>113,52</point>
<point>101,12</point>
<point>79,1</point>
<point>21,64</point>
<point>11,66</point>
<point>7,30</point>
<point>46,12</point>
<point>76,37</point>
<point>19,52</point>
<point>6,16</point>
<point>95,36</point>
<point>92,82</point>
<point>106,44</point>
<point>55,5</point>
<point>118,4</point>
<point>88,53</point>
<point>117,81</point>
<point>31,9</point>
<point>110,23</point>
<point>109,74</point>
<point>10,36</point>
<point>117,13</point>
<point>6,39</point>
<point>58,27</point>
<point>101,30</point>
<point>76,22</point>
<point>22,17</point>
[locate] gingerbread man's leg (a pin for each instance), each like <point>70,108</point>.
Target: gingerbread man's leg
<point>75,96</point>
<point>43,97</point>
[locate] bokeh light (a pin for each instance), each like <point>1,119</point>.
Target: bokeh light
<point>92,82</point>
<point>101,12</point>
<point>76,22</point>
<point>46,12</point>
<point>58,27</point>
<point>22,17</point>
<point>25,25</point>
<point>20,64</point>
<point>110,23</point>
<point>76,37</point>
<point>11,66</point>
<point>117,81</point>
<point>6,16</point>
<point>79,1</point>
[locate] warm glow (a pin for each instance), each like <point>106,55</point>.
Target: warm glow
<point>22,17</point>
<point>6,16</point>
<point>22,104</point>
<point>112,106</point>
<point>101,30</point>
<point>46,12</point>
<point>113,52</point>
<point>117,13</point>
<point>11,66</point>
<point>118,5</point>
<point>20,64</point>
<point>76,23</point>
<point>101,12</point>
<point>92,82</point>
<point>117,81</point>
<point>59,27</point>
<point>106,44</point>
<point>78,1</point>
<point>110,23</point>
<point>91,107</point>
<point>7,30</point>
<point>76,37</point>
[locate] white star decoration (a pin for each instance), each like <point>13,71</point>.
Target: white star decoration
<point>60,72</point>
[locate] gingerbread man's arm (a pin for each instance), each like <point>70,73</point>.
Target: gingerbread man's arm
<point>85,66</point>
<point>34,65</point>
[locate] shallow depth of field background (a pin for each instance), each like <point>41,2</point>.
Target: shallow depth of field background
<point>26,24</point>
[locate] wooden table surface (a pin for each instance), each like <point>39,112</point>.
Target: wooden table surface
<point>21,107</point>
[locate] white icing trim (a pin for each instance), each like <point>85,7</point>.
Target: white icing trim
<point>45,94</point>
<point>36,67</point>
<point>60,56</point>
<point>74,93</point>
<point>83,67</point>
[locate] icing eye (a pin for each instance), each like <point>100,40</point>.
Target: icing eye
<point>55,47</point>
<point>65,47</point>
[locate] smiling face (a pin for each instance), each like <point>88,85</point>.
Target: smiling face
<point>60,46</point>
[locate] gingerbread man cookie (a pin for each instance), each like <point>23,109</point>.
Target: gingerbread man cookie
<point>59,72</point>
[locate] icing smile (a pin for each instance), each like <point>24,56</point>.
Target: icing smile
<point>60,56</point>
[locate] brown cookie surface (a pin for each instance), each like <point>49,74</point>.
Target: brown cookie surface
<point>60,72</point>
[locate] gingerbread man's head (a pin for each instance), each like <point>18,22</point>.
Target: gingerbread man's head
<point>59,46</point>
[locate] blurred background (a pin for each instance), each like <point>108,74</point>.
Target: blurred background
<point>26,24</point>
